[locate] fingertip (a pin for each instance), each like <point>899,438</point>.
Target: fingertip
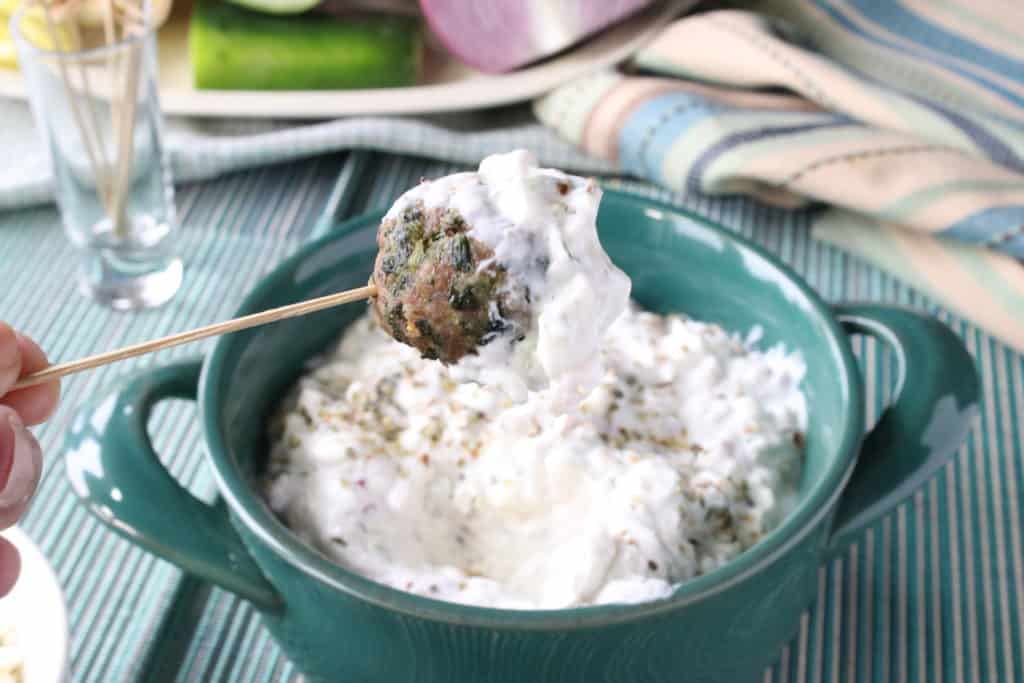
<point>10,358</point>
<point>7,444</point>
<point>34,404</point>
<point>10,566</point>
<point>47,401</point>
<point>33,357</point>
<point>25,471</point>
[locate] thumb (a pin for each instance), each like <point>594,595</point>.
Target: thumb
<point>21,465</point>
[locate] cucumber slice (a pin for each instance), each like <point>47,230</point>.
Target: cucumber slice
<point>233,48</point>
<point>278,6</point>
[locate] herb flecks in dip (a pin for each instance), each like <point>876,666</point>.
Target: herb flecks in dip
<point>500,274</point>
<point>686,452</point>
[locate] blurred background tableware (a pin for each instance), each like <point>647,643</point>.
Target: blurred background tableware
<point>95,103</point>
<point>401,67</point>
<point>34,619</point>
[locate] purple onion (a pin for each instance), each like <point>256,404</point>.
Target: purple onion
<point>496,36</point>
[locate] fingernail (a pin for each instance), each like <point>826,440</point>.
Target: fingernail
<point>8,337</point>
<point>26,464</point>
<point>6,452</point>
<point>10,359</point>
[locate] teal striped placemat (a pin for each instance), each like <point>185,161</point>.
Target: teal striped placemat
<point>930,593</point>
<point>233,230</point>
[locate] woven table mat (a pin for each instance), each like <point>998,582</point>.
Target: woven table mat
<point>929,593</point>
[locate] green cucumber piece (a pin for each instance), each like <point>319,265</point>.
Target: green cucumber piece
<point>278,6</point>
<point>233,48</point>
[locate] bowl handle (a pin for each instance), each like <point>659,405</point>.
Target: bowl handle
<point>115,471</point>
<point>936,399</point>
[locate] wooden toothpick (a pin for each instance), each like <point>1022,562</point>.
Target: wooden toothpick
<point>245,322</point>
<point>80,120</point>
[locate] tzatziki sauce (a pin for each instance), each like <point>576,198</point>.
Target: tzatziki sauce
<point>686,451</point>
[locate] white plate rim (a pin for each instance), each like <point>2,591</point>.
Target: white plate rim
<point>38,595</point>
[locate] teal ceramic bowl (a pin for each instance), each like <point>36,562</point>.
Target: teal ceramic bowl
<point>723,626</point>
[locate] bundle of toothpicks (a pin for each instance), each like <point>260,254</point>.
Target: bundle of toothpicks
<point>110,164</point>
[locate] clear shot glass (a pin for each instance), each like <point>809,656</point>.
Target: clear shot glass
<point>98,112</point>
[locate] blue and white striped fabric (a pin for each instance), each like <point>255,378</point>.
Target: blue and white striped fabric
<point>909,113</point>
<point>205,148</point>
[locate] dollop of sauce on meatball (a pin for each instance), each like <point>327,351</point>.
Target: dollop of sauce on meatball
<point>500,275</point>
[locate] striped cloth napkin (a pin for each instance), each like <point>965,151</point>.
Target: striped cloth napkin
<point>905,117</point>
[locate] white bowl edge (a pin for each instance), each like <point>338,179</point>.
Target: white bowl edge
<point>39,614</point>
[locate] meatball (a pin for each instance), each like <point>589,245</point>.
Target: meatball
<point>438,289</point>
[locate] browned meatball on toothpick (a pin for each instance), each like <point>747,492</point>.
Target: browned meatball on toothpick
<point>500,275</point>
<point>439,289</point>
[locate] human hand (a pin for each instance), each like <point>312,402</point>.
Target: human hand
<point>21,460</point>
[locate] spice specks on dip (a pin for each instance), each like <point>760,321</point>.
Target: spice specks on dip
<point>686,452</point>
<point>500,274</point>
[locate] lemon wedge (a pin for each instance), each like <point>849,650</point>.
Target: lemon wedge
<point>35,30</point>
<point>8,58</point>
<point>88,14</point>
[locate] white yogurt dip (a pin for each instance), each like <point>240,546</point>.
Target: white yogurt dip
<point>541,225</point>
<point>686,453</point>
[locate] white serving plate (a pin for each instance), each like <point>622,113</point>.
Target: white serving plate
<point>447,85</point>
<point>36,606</point>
